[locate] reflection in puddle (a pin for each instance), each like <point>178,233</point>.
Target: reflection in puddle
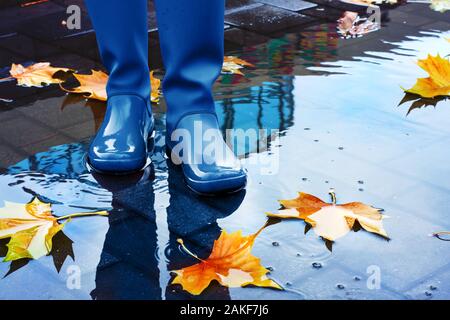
<point>314,89</point>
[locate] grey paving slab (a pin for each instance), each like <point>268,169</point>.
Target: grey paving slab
<point>293,5</point>
<point>265,19</point>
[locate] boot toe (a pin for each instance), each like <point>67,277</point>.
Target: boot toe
<point>218,181</point>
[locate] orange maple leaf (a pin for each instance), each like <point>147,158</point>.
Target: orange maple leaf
<point>438,82</point>
<point>331,220</point>
<point>94,86</point>
<point>35,75</point>
<point>230,263</point>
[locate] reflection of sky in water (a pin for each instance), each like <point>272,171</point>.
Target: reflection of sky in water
<point>348,102</point>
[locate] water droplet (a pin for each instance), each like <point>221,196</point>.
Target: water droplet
<point>276,244</point>
<point>340,286</point>
<point>317,265</point>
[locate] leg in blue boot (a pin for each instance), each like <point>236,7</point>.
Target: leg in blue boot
<point>120,145</point>
<point>191,37</point>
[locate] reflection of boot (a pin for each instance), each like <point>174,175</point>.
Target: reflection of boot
<point>121,29</point>
<point>194,219</point>
<point>128,267</point>
<point>191,36</point>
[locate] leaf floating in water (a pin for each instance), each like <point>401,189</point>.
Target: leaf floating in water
<point>351,25</point>
<point>438,82</point>
<point>94,86</point>
<point>330,220</point>
<point>230,263</point>
<point>36,75</point>
<point>233,65</point>
<point>440,5</point>
<point>31,228</point>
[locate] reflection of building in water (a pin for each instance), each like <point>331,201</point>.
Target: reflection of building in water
<point>65,160</point>
<point>269,107</point>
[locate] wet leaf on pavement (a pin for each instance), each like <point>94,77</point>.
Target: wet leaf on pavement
<point>36,75</point>
<point>31,228</point>
<point>438,82</point>
<point>94,86</point>
<point>330,220</point>
<point>231,264</point>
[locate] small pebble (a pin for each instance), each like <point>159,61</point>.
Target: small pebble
<point>361,189</point>
<point>276,244</point>
<point>340,286</point>
<point>428,294</point>
<point>360,182</point>
<point>299,254</point>
<point>356,278</point>
<point>317,265</point>
<point>304,179</point>
<point>433,288</point>
<point>270,269</point>
<point>341,148</point>
<point>307,128</point>
<point>288,284</point>
<point>326,181</point>
<point>316,140</point>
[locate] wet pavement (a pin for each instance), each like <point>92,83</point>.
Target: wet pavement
<point>335,103</point>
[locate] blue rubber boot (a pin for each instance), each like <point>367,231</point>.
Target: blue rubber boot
<point>192,37</point>
<point>121,143</point>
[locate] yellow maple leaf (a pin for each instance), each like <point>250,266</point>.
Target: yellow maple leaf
<point>440,5</point>
<point>94,86</point>
<point>230,263</point>
<point>35,75</point>
<point>330,220</point>
<point>31,228</point>
<point>233,65</point>
<point>438,82</point>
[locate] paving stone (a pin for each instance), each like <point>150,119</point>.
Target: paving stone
<point>322,12</point>
<point>409,18</point>
<point>344,6</point>
<point>66,3</point>
<point>51,28</point>
<point>238,5</point>
<point>12,16</point>
<point>27,49</point>
<point>241,37</point>
<point>265,19</point>
<point>435,287</point>
<point>293,5</point>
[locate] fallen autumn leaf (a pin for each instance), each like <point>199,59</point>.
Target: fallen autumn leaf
<point>230,263</point>
<point>330,220</point>
<point>31,228</point>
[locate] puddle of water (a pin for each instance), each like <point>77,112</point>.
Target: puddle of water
<point>334,103</point>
